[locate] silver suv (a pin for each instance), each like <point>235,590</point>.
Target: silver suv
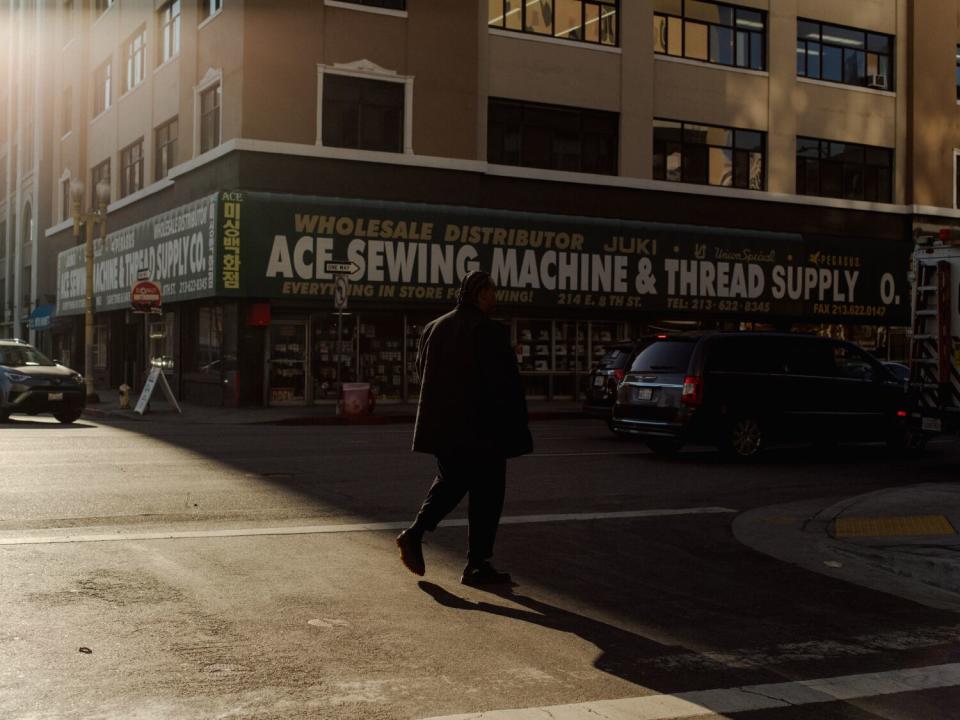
<point>32,384</point>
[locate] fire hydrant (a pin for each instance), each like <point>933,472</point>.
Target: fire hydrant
<point>124,396</point>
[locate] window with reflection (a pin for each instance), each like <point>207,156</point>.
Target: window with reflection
<point>844,55</point>
<point>99,174</point>
<point>957,75</point>
<point>709,154</point>
<point>554,137</point>
<point>363,114</point>
<point>386,4</point>
<point>208,356</point>
<point>844,170</point>
<point>131,168</point>
<point>592,21</point>
<point>710,32</point>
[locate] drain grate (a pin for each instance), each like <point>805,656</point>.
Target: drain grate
<point>910,525</point>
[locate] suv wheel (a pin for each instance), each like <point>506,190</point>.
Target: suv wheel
<point>68,416</point>
<point>744,438</point>
<point>907,442</point>
<point>664,446</point>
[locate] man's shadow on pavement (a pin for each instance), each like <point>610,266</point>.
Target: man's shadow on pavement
<point>622,652</point>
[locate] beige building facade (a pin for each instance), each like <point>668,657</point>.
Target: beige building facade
<point>778,121</point>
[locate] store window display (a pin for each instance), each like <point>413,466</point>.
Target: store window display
<point>288,354</point>
<point>601,335</point>
<point>570,357</point>
<point>535,354</point>
<point>381,355</point>
<point>414,324</point>
<point>324,357</point>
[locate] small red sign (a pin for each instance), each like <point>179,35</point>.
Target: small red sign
<point>145,295</point>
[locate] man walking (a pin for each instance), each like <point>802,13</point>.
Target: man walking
<point>472,416</point>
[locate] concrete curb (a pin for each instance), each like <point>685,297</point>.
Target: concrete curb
<point>305,420</point>
<point>932,560</point>
<point>799,533</point>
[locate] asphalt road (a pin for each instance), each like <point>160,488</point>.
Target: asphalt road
<point>163,571</point>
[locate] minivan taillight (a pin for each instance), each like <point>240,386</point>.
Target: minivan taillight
<point>692,391</point>
<point>618,375</point>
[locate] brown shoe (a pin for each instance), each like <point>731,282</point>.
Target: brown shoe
<point>411,551</point>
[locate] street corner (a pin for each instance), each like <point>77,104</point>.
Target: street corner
<point>920,568</point>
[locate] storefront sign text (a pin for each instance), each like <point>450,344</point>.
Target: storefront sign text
<point>176,249</point>
<point>420,253</point>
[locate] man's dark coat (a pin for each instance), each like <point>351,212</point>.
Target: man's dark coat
<point>471,396</point>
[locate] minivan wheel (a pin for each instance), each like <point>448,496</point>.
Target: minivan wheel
<point>68,416</point>
<point>664,446</point>
<point>907,442</point>
<point>744,438</point>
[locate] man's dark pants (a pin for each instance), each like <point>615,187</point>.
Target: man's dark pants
<point>484,479</point>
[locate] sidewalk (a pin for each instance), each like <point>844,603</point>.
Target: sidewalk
<point>384,413</point>
<point>902,541</point>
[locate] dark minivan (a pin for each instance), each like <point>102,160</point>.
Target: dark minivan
<point>742,390</point>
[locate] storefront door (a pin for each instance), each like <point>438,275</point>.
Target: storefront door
<point>287,362</point>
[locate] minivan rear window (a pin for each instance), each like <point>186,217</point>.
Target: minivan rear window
<point>664,356</point>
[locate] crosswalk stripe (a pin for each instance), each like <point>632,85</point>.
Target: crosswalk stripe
<point>735,700</point>
<point>345,527</point>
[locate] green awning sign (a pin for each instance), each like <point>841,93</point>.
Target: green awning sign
<point>282,246</point>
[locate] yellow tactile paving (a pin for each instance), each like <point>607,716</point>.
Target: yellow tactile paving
<point>893,526</point>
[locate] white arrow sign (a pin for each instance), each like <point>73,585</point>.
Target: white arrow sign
<point>341,268</point>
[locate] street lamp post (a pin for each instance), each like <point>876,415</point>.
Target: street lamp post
<point>89,220</point>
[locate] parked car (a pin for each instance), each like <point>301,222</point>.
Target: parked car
<point>742,391</point>
<point>32,384</point>
<point>600,389</point>
<point>900,371</point>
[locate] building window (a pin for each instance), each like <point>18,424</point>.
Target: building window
<point>844,55</point>
<point>711,32</point>
<point>131,168</point>
<point>210,118</point>
<point>388,4</point>
<point>136,59</point>
<point>99,173</point>
<point>101,6</point>
<point>102,88</point>
<point>552,137</point>
<point>363,114</point>
<point>844,170</point>
<point>65,199</point>
<point>209,335</point>
<point>709,155</point>
<point>209,8</point>
<point>169,31</point>
<point>165,146</point>
<point>593,21</point>
<point>958,73</point>
<point>956,181</point>
<point>66,111</point>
